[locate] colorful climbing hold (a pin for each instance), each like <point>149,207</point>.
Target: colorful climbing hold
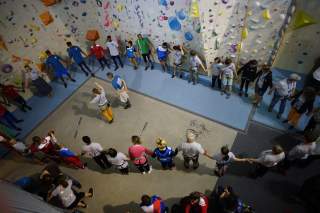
<point>174,23</point>
<point>181,14</point>
<point>188,36</point>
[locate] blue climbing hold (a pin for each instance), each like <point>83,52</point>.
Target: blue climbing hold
<point>163,3</point>
<point>188,36</point>
<point>83,1</point>
<point>181,14</point>
<point>174,23</point>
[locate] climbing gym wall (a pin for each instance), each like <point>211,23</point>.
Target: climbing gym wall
<point>300,46</point>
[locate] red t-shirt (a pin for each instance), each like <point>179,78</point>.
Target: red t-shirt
<point>2,110</point>
<point>201,207</point>
<point>10,92</point>
<point>97,50</point>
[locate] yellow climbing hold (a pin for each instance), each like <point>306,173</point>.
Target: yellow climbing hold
<point>119,8</point>
<point>194,10</point>
<point>116,24</point>
<point>266,14</point>
<point>244,33</point>
<point>302,19</point>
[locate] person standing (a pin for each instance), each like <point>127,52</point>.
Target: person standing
<point>249,71</point>
<point>99,53</point>
<point>10,92</point>
<point>195,64</point>
<point>121,87</point>
<point>191,151</point>
<point>9,118</point>
<point>163,52</point>
<point>113,48</point>
<point>178,53</point>
<point>283,90</point>
<point>118,159</point>
<point>144,48</point>
<point>43,88</point>
<point>216,72</point>
<point>164,154</point>
<point>138,154</point>
<point>59,69</point>
<point>228,73</point>
<point>95,151</point>
<point>131,54</point>
<point>75,53</point>
<point>102,101</point>
<point>263,82</point>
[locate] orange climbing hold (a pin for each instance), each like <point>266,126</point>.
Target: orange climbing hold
<point>46,17</point>
<point>15,58</point>
<point>49,2</point>
<point>92,35</point>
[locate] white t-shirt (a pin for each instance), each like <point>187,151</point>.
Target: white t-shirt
<point>66,194</point>
<point>190,149</point>
<point>284,88</point>
<point>177,56</point>
<point>302,151</point>
<point>20,147</point>
<point>100,99</point>
<point>195,62</point>
<point>147,209</point>
<point>93,149</point>
<point>316,74</point>
<point>33,75</point>
<point>229,70</point>
<point>120,160</point>
<point>220,160</point>
<point>268,159</point>
<point>113,48</point>
<point>216,69</point>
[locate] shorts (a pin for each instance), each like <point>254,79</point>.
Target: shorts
<point>178,65</point>
<point>227,81</point>
<point>164,59</point>
<point>260,91</point>
<point>79,197</point>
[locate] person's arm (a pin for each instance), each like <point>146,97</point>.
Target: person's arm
<point>99,86</point>
<point>124,85</point>
<point>240,159</point>
<point>84,53</point>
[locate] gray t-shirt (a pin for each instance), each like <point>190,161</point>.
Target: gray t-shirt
<point>190,149</point>
<point>268,159</point>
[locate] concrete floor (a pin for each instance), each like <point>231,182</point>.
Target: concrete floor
<point>114,192</point>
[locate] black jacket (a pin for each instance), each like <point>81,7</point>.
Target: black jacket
<point>267,82</point>
<point>306,106</point>
<point>248,72</point>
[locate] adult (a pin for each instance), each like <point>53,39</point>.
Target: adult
<point>267,160</point>
<point>195,64</point>
<point>54,61</point>
<point>75,53</point>
<point>10,119</point>
<point>153,204</point>
<point>144,48</point>
<point>118,159</point>
<point>263,82</point>
<point>113,48</point>
<point>198,203</point>
<point>216,68</point>
<point>191,151</point>
<point>99,54</point>
<point>138,154</point>
<point>248,74</point>
<point>102,101</point>
<point>43,88</point>
<point>283,91</point>
<point>121,87</point>
<point>10,92</point>
<point>95,151</point>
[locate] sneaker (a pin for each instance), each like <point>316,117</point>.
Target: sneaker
<point>65,85</point>
<point>143,173</point>
<point>146,67</point>
<point>152,67</point>
<point>228,96</point>
<point>150,170</point>
<point>181,76</point>
<point>73,80</point>
<point>135,68</point>
<point>86,73</point>
<point>115,69</point>
<point>121,65</point>
<point>93,75</point>
<point>173,76</point>
<point>278,116</point>
<point>221,93</point>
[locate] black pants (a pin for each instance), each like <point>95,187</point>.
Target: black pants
<point>260,171</point>
<point>124,171</point>
<point>104,61</point>
<point>311,125</point>
<point>143,167</point>
<point>22,103</point>
<point>83,65</point>
<point>195,161</point>
<point>214,79</point>
<point>102,161</point>
<point>147,60</point>
<point>244,83</point>
<point>115,61</point>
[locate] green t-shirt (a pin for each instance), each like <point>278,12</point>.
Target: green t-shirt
<point>143,45</point>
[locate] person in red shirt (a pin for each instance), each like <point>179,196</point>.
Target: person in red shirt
<point>10,92</point>
<point>99,53</point>
<point>198,203</point>
<point>10,119</point>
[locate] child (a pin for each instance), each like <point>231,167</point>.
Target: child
<point>163,52</point>
<point>228,74</point>
<point>121,87</point>
<point>249,71</point>
<point>113,48</point>
<point>10,92</point>
<point>99,53</point>
<point>103,103</point>
<point>43,88</point>
<point>131,54</point>
<point>70,158</point>
<point>118,159</point>
<point>216,72</point>
<point>223,160</point>
<point>195,63</point>
<point>177,64</point>
<point>153,204</point>
<point>164,154</point>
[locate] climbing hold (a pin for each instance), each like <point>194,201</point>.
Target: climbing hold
<point>302,19</point>
<point>6,68</point>
<point>120,8</point>
<point>194,10</point>
<point>225,1</point>
<point>46,18</point>
<point>174,24</point>
<point>188,36</point>
<point>244,33</point>
<point>84,14</point>
<point>163,3</point>
<point>181,14</point>
<point>266,14</point>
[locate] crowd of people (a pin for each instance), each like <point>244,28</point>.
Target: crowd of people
<point>52,183</point>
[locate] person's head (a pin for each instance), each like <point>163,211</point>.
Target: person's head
<point>109,38</point>
<point>224,150</point>
<point>139,36</point>
<point>96,91</point>
<point>145,200</point>
<point>36,139</point>
<point>165,45</point>
<point>86,140</point>
<point>110,75</point>
<point>253,63</point>
<point>69,44</point>
<point>161,144</point>
<point>2,139</point>
<point>48,52</point>
<point>47,178</point>
<point>266,68</point>
<point>63,183</point>
<point>27,67</point>
<point>191,137</point>
<point>176,48</point>
<point>194,198</point>
<point>130,43</point>
<point>294,77</point>
<point>135,139</point>
<point>112,152</point>
<point>228,61</point>
<point>12,142</point>
<point>277,149</point>
<point>217,60</point>
<point>193,53</point>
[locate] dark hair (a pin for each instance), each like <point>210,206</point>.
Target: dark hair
<point>310,136</point>
<point>193,53</point>
<point>253,62</point>
<point>96,91</point>
<point>110,75</point>
<point>130,42</point>
<point>165,45</point>
<point>63,183</point>
<point>228,61</point>
<point>48,52</point>
<point>112,152</point>
<point>36,139</point>
<point>27,66</point>
<point>277,149</point>
<point>217,59</point>
<point>135,139</point>
<point>176,47</point>
<point>194,196</point>
<point>47,178</point>
<point>139,35</point>
<point>145,200</point>
<point>109,37</point>
<point>69,43</point>
<point>86,140</point>
<point>225,150</point>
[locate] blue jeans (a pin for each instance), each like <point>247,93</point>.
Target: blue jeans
<point>275,99</point>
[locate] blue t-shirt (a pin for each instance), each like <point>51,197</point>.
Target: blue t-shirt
<point>117,82</point>
<point>130,52</point>
<point>75,53</point>
<point>54,62</point>
<point>65,152</point>
<point>162,53</point>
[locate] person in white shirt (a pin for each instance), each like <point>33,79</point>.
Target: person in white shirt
<point>17,145</point>
<point>70,199</point>
<point>195,64</point>
<point>95,151</point>
<point>102,101</point>
<point>177,60</point>
<point>118,159</point>
<point>228,73</point>
<point>191,151</point>
<point>113,48</point>
<point>283,90</point>
<point>216,72</point>
<point>267,160</point>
